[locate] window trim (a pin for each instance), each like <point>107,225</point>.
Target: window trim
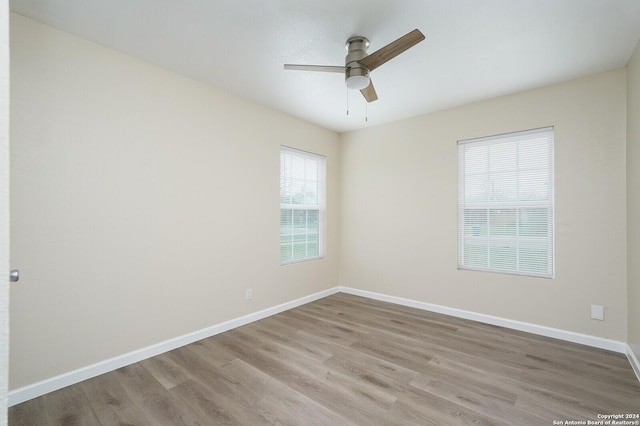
<point>321,206</point>
<point>516,240</point>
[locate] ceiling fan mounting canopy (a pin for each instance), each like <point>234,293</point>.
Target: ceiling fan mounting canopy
<point>358,64</point>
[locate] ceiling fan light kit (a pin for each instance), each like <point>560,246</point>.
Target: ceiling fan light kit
<point>358,65</point>
<point>357,78</point>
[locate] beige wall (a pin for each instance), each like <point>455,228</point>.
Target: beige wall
<point>633,199</point>
<point>4,210</point>
<point>399,208</point>
<point>144,204</point>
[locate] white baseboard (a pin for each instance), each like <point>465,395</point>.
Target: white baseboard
<point>570,336</point>
<point>633,360</point>
<point>34,390</point>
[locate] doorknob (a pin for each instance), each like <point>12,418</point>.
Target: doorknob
<point>14,275</point>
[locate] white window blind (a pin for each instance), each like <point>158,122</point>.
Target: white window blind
<point>505,203</point>
<point>302,187</point>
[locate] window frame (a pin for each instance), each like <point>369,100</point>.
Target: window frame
<point>517,242</point>
<point>320,206</point>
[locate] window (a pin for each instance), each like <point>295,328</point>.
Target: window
<point>505,203</point>
<point>301,205</point>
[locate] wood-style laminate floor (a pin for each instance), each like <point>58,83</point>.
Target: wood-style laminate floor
<point>346,360</point>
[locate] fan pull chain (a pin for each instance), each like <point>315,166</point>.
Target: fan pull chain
<point>366,111</point>
<point>347,102</point>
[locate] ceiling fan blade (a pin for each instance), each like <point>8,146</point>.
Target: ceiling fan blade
<point>321,68</point>
<point>392,50</point>
<point>369,92</point>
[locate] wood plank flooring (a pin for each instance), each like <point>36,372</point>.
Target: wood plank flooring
<point>347,360</point>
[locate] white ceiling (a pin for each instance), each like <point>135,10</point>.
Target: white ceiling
<point>475,49</point>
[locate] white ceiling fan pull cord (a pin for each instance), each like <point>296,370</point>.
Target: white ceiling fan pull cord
<point>347,101</point>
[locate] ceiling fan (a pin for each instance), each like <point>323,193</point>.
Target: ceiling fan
<point>357,64</point>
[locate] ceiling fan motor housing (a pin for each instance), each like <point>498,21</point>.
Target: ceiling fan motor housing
<point>356,76</point>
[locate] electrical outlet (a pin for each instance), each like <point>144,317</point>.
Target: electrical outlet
<point>249,294</point>
<point>597,312</point>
